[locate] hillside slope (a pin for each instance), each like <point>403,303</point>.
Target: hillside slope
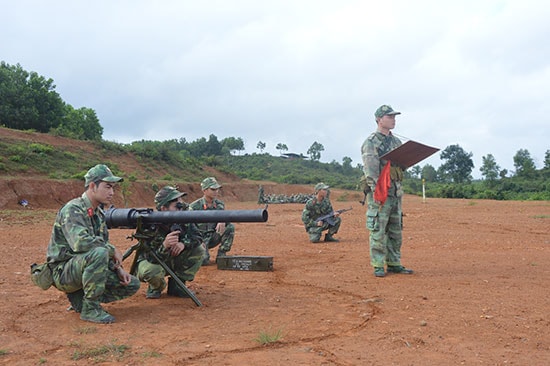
<point>46,190</point>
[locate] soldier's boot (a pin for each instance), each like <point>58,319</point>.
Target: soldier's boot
<point>221,254</point>
<point>152,294</point>
<point>379,272</point>
<point>206,258</point>
<point>315,238</point>
<point>93,312</point>
<point>175,290</point>
<point>76,298</point>
<point>400,269</point>
<point>330,238</point>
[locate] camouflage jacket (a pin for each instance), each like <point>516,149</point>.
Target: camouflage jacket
<point>78,228</point>
<point>376,145</point>
<point>315,209</point>
<point>201,204</point>
<point>190,236</point>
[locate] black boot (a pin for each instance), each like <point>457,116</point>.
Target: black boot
<point>175,290</point>
<point>76,298</point>
<point>330,238</point>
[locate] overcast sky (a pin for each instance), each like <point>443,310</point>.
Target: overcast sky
<point>472,73</point>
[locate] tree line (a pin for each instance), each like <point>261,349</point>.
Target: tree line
<point>29,101</point>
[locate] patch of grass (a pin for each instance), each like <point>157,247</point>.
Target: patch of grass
<point>25,215</point>
<point>151,354</point>
<point>267,337</point>
<point>101,353</point>
<point>86,330</point>
<point>3,352</point>
<point>542,216</point>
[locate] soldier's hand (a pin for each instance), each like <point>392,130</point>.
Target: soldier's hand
<point>171,239</point>
<point>220,228</point>
<point>123,276</point>
<point>177,249</point>
<point>117,258</point>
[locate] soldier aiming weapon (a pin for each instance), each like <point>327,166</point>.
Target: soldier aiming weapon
<point>146,221</point>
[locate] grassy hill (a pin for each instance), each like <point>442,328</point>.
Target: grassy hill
<point>47,170</point>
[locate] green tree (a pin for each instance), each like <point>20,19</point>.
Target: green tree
<point>458,164</point>
<point>213,146</point>
<point>281,147</point>
<point>261,146</point>
<point>489,169</point>
<point>415,171</point>
<point>524,164</point>
<point>28,100</point>
<point>80,124</point>
<point>546,168</point>
<point>314,151</point>
<point>429,173</point>
<point>347,169</point>
<point>233,144</point>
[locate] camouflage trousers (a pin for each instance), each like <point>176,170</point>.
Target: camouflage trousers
<point>315,232</point>
<point>185,266</point>
<point>225,240</point>
<point>385,224</point>
<point>90,271</point>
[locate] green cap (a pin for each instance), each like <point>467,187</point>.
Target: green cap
<point>100,173</point>
<point>320,186</point>
<point>210,182</point>
<point>167,194</point>
<point>385,110</point>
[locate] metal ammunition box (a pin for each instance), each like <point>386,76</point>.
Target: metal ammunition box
<point>245,263</point>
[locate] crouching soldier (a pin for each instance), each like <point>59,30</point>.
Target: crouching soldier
<point>84,264</point>
<point>316,207</point>
<point>178,247</point>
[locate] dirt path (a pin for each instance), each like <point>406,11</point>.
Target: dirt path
<point>479,296</point>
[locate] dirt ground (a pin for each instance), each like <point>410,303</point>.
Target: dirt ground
<point>479,295</point>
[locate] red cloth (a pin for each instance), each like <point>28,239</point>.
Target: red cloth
<point>383,184</point>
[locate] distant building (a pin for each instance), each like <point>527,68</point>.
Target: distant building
<point>293,156</point>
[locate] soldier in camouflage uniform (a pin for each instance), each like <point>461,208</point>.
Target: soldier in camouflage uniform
<point>84,263</point>
<point>384,221</point>
<point>213,234</point>
<point>180,249</point>
<point>316,207</point>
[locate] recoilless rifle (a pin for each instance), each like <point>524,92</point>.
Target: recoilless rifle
<point>330,216</point>
<point>146,221</point>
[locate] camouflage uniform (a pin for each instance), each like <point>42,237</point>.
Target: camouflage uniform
<point>211,238</point>
<point>315,209</point>
<point>384,222</point>
<point>185,265</point>
<point>81,255</point>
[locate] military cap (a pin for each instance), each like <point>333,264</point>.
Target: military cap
<point>167,194</point>
<point>100,173</point>
<point>385,110</point>
<point>320,186</point>
<point>210,182</point>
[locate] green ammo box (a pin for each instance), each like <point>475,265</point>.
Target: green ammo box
<point>245,263</point>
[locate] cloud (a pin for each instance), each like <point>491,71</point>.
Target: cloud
<point>297,72</point>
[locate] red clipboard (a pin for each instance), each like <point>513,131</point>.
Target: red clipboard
<point>409,154</point>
